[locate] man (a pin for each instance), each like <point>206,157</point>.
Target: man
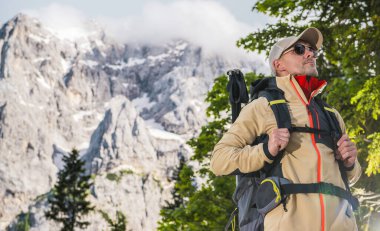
<point>308,157</point>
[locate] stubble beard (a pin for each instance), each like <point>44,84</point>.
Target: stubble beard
<point>310,70</point>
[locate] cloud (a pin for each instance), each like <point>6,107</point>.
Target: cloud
<point>206,23</point>
<point>66,21</point>
<point>202,22</point>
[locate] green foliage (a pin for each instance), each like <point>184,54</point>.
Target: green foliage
<point>117,177</point>
<point>206,209</point>
<point>210,134</point>
<point>23,223</point>
<point>113,177</point>
<point>374,154</point>
<point>173,213</point>
<point>207,206</point>
<point>367,99</point>
<point>218,98</point>
<point>67,201</point>
<point>120,224</point>
<point>41,197</point>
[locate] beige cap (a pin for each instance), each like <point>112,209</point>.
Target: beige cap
<point>311,35</point>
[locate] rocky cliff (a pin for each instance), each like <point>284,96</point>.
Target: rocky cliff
<point>128,108</point>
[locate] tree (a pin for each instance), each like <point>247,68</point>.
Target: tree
<point>120,224</point>
<point>23,223</point>
<point>68,203</point>
<point>183,188</point>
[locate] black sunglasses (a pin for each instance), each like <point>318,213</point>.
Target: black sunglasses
<point>300,49</point>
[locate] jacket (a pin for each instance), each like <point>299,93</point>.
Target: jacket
<point>308,159</point>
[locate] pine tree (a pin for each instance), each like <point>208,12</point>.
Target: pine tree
<point>67,200</point>
<point>172,214</point>
<point>120,224</point>
<point>183,186</point>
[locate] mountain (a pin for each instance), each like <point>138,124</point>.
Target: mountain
<point>128,108</point>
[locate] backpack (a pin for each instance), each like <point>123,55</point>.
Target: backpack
<point>259,192</point>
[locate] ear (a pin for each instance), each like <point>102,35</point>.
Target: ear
<point>278,65</point>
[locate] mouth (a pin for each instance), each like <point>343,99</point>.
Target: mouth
<point>310,63</point>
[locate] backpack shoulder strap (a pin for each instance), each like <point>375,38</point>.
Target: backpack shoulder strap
<point>330,114</point>
<point>267,88</point>
<point>336,134</point>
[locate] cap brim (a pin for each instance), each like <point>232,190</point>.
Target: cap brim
<point>313,36</point>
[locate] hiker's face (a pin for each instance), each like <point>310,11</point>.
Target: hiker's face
<point>298,64</point>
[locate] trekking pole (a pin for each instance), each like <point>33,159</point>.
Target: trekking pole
<point>238,93</point>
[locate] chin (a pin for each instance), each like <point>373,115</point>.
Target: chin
<point>312,73</point>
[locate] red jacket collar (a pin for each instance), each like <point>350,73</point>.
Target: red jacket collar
<point>309,84</point>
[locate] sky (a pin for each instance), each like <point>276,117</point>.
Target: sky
<point>241,9</point>
<point>215,25</point>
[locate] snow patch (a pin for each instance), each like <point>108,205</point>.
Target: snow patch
<point>22,102</point>
<point>197,105</point>
<point>158,57</point>
<point>153,124</point>
<point>83,146</point>
<point>90,63</point>
<point>99,43</point>
<point>135,61</point>
<point>65,65</point>
<point>115,67</point>
<point>84,46</point>
<point>181,46</point>
<point>37,60</point>
<point>142,102</point>
<point>131,62</point>
<point>157,131</point>
<point>43,83</point>
<point>161,134</point>
<point>38,38</point>
<point>79,116</point>
<point>71,34</point>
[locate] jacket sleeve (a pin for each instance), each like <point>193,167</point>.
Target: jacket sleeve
<point>234,150</point>
<point>354,173</point>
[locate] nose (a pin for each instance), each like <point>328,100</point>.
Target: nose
<point>309,53</point>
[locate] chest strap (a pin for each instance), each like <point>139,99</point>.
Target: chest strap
<point>323,188</point>
<point>313,130</point>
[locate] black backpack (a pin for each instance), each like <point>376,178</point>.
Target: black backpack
<point>254,194</point>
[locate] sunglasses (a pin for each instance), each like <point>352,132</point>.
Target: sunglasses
<point>300,49</point>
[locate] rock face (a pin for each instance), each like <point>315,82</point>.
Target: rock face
<point>128,109</point>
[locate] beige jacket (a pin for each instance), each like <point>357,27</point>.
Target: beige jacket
<point>305,161</point>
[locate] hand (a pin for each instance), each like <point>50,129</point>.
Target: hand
<point>278,140</point>
<point>346,151</point>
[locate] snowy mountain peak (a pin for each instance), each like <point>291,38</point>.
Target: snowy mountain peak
<point>128,108</point>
